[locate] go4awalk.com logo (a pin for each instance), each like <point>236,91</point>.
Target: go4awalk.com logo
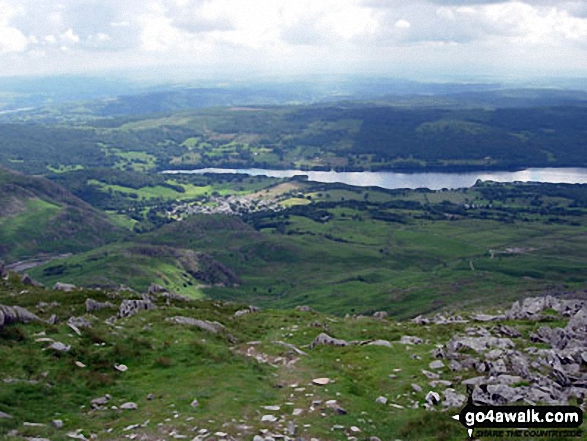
<point>521,421</point>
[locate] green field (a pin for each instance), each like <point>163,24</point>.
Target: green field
<point>352,250</point>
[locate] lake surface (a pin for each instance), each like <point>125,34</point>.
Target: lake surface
<point>433,181</point>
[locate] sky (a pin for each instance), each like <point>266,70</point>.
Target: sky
<point>401,38</point>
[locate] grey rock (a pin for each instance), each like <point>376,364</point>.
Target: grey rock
<point>79,322</point>
<point>498,367</point>
<point>420,320</point>
<point>478,344</point>
<point>155,288</point>
<point>475,381</point>
<point>53,320</point>
<point>291,428</point>
<point>381,400</point>
<point>59,347</point>
<point>325,339</point>
<point>455,366</point>
<point>258,438</point>
<point>380,315</point>
<point>5,415</point>
<point>436,383</point>
<point>213,327</point>
<point>28,280</point>
<point>416,387</point>
<point>410,340</point>
<point>129,406</point>
<point>10,315</point>
<point>430,375</point>
<point>452,398</point>
<point>432,398</point>
<point>384,343</point>
<point>507,331</point>
<point>290,346</point>
<point>58,424</point>
<point>100,401</point>
<point>195,403</point>
<point>129,308</point>
<point>67,287</point>
<point>93,305</point>
<point>487,317</point>
<point>304,308</point>
<point>436,364</point>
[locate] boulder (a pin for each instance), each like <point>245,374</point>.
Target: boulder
<point>432,398</point>
<point>452,398</point>
<point>410,340</point>
<point>67,287</point>
<point>131,307</point>
<point>93,305</point>
<point>325,339</point>
<point>155,288</point>
<point>213,327</point>
<point>436,364</point>
<point>478,344</point>
<point>59,347</point>
<point>129,406</point>
<point>28,280</point>
<point>10,315</point>
<point>381,400</point>
<point>100,401</point>
<point>384,343</point>
<point>79,322</point>
<point>304,308</point>
<point>380,315</point>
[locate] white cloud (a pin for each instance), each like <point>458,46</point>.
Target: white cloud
<point>403,24</point>
<point>289,35</point>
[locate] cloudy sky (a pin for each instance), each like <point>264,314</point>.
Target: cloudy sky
<point>408,38</point>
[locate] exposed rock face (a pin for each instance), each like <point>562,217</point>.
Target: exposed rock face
<point>534,375</point>
<point>154,289</point>
<point>304,308</point>
<point>131,307</point>
<point>248,310</point>
<point>79,322</point>
<point>93,305</point>
<point>478,344</point>
<point>10,315</point>
<point>213,327</point>
<point>67,287</point>
<point>325,339</point>
<point>410,340</point>
<point>28,280</point>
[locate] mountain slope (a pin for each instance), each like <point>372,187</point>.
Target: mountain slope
<point>38,216</point>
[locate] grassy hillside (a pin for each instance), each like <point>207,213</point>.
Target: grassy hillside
<point>352,250</point>
<point>251,368</point>
<point>40,217</point>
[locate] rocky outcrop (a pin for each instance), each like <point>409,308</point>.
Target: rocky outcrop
<point>93,305</point>
<point>213,327</point>
<point>28,280</point>
<point>131,307</point>
<point>67,287</point>
<point>10,315</point>
<point>250,309</point>
<point>325,339</point>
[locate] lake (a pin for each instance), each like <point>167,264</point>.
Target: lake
<point>433,181</point>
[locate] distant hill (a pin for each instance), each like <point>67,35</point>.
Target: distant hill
<point>38,216</point>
